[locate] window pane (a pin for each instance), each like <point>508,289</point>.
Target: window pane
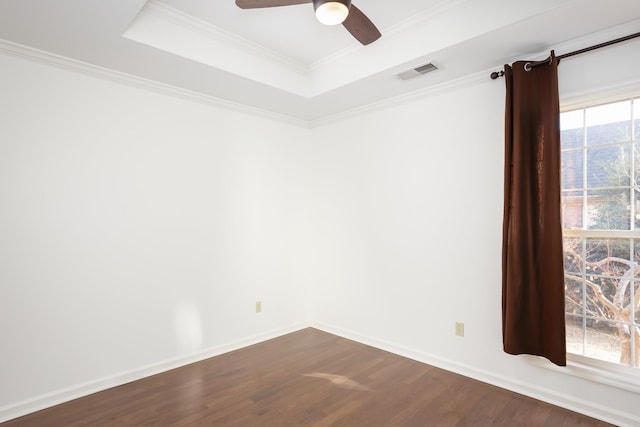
<point>572,169</point>
<point>636,252</point>
<point>608,279</point>
<point>609,209</point>
<point>572,202</point>
<point>608,166</point>
<point>602,293</point>
<point>606,341</point>
<point>574,302</point>
<point>572,129</point>
<point>601,251</point>
<point>575,334</point>
<point>573,257</point>
<point>609,123</point>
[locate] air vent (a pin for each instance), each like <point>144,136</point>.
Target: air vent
<point>417,71</point>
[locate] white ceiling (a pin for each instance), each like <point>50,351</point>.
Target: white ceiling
<point>282,61</point>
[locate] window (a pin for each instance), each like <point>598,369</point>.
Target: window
<point>601,223</point>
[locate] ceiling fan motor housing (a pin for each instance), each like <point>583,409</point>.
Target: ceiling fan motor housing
<point>331,12</point>
<point>318,3</point>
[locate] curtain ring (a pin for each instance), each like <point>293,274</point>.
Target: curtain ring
<point>528,67</point>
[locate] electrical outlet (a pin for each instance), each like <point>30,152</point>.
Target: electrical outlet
<point>459,329</point>
<point>258,306</point>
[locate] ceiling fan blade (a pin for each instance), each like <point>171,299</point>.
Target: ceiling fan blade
<point>361,27</point>
<point>257,4</point>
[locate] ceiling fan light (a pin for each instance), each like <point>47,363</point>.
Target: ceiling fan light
<point>332,12</point>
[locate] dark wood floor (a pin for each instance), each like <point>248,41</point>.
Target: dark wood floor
<point>308,378</point>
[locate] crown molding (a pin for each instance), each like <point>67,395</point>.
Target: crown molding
<point>402,99</point>
<point>212,32</point>
<point>9,48</point>
<point>28,53</point>
<point>24,52</point>
<point>175,16</point>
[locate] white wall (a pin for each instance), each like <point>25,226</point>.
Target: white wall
<point>408,204</point>
<point>137,228</point>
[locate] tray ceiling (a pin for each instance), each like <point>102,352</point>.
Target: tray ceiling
<point>282,61</point>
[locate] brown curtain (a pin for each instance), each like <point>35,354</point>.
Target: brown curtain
<point>532,260</point>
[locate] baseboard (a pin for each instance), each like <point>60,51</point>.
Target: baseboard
<point>559,399</point>
<point>64,395</point>
<point>550,396</point>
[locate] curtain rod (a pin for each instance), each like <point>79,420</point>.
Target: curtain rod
<point>529,65</point>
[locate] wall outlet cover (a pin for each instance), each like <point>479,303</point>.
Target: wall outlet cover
<point>460,329</point>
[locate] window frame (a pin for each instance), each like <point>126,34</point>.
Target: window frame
<point>612,374</point>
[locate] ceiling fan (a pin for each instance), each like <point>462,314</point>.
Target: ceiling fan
<point>329,12</point>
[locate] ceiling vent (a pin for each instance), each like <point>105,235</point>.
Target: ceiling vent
<point>417,71</point>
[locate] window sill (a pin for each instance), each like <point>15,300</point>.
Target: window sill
<point>621,377</point>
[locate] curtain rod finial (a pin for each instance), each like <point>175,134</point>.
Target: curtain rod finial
<point>496,74</point>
